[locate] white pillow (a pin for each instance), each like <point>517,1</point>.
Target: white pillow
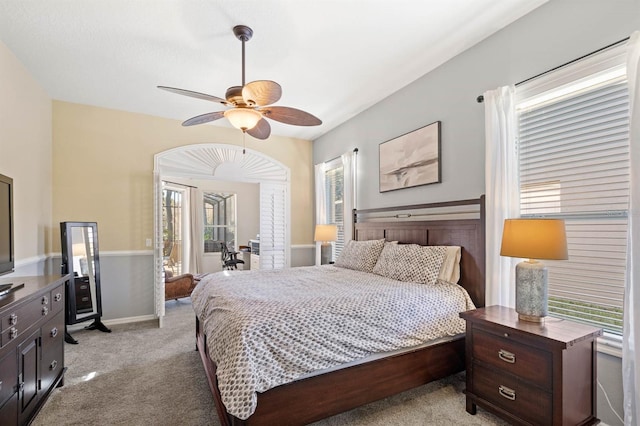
<point>410,262</point>
<point>450,269</point>
<point>360,255</point>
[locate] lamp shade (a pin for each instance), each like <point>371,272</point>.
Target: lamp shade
<point>534,239</point>
<point>326,233</point>
<point>243,118</point>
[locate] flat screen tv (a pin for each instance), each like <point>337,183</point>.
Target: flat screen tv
<point>6,225</point>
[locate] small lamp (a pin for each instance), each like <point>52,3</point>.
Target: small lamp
<point>325,234</point>
<point>533,239</point>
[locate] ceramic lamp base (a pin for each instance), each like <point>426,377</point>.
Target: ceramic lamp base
<point>325,253</point>
<point>532,293</point>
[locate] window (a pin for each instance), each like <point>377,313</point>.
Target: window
<point>219,221</point>
<point>573,149</point>
<point>334,191</point>
<point>172,230</point>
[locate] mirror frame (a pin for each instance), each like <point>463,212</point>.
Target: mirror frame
<point>67,267</point>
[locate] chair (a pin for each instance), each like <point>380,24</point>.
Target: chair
<point>229,258</point>
<point>178,286</point>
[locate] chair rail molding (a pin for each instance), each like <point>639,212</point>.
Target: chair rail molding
<point>222,162</point>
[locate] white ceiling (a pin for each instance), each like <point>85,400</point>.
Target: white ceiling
<point>333,58</point>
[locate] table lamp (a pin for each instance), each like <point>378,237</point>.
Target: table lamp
<point>533,239</point>
<point>325,234</point>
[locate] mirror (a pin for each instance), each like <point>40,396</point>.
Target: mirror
<point>80,259</point>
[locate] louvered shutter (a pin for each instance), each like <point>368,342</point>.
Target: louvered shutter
<point>574,164</point>
<point>273,226</point>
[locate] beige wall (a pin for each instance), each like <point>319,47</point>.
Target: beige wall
<point>103,170</point>
<point>25,155</point>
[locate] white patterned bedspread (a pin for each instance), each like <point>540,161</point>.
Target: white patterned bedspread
<point>266,328</point>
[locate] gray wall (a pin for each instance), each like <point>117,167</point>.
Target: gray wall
<point>551,35</point>
<point>555,33</point>
<point>126,281</point>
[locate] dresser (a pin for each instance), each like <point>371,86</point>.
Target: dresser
<point>31,345</point>
<point>530,373</point>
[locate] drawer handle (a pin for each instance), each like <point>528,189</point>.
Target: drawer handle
<point>506,392</point>
<point>57,297</point>
<point>507,356</point>
<point>54,331</point>
<point>45,300</point>
<point>45,310</point>
<point>13,319</point>
<point>53,365</point>
<point>13,333</point>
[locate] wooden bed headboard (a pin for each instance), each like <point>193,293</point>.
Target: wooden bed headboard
<point>452,223</point>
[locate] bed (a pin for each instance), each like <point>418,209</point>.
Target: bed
<point>317,396</point>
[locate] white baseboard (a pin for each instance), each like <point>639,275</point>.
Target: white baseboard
<point>115,321</point>
<point>128,320</point>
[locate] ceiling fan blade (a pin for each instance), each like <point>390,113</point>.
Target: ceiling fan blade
<point>204,118</point>
<point>262,130</point>
<point>193,94</point>
<point>261,92</point>
<point>290,116</point>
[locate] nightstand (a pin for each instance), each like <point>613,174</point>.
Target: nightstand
<point>530,373</point>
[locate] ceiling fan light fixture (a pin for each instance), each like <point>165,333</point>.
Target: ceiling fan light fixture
<point>243,118</point>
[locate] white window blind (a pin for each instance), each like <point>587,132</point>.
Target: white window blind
<point>334,190</point>
<point>573,152</point>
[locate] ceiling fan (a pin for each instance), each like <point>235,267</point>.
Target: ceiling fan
<point>250,103</point>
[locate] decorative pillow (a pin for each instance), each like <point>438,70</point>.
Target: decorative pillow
<point>360,255</point>
<point>410,262</point>
<point>450,269</point>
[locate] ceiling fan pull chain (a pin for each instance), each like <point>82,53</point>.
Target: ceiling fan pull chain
<point>244,142</point>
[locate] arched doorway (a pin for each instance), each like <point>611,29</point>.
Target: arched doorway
<point>228,163</point>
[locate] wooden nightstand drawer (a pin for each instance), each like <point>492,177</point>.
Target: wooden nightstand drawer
<point>524,361</point>
<point>522,400</point>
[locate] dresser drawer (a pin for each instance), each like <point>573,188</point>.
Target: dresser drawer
<point>523,361</point>
<point>52,350</point>
<point>53,331</point>
<point>520,399</point>
<point>57,299</point>
<point>17,321</point>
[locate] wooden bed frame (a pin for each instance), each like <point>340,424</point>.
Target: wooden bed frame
<point>317,397</point>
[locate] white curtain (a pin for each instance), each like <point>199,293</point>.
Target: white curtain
<point>349,192</point>
<point>349,168</point>
<point>501,190</point>
<point>196,231</point>
<point>631,333</point>
<point>321,201</point>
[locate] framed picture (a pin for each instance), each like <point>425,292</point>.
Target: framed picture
<point>412,159</point>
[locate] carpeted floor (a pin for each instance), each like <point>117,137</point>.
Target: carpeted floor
<point>143,375</point>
